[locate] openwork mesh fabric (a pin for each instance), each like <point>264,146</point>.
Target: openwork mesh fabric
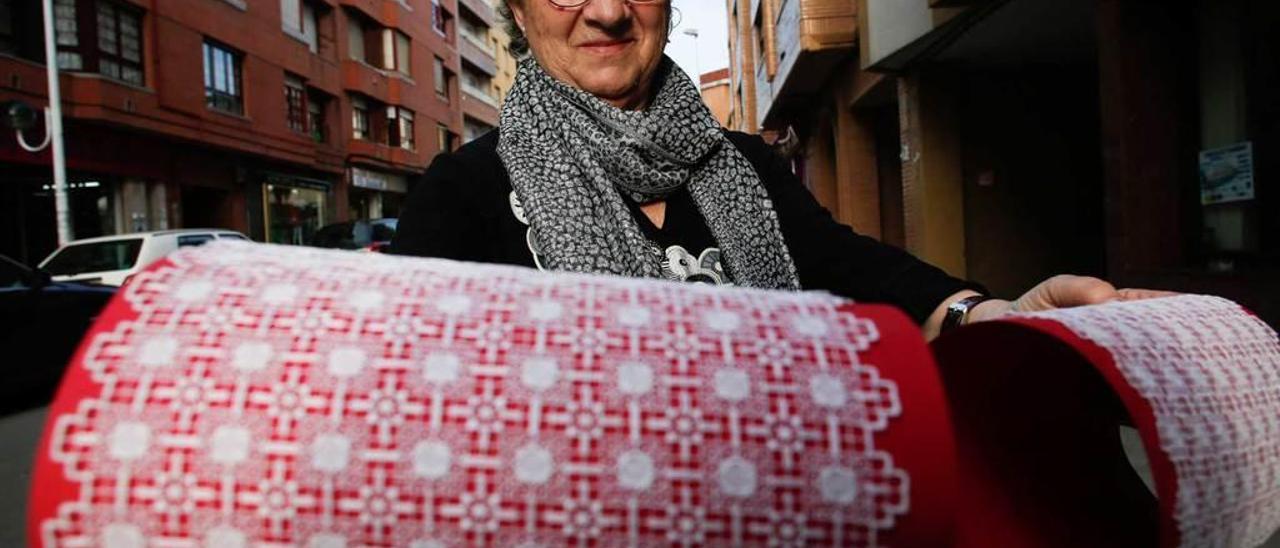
<point>1211,373</point>
<point>246,395</point>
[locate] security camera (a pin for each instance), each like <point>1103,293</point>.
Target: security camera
<point>18,115</point>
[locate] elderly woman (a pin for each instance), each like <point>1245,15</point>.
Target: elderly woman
<point>607,161</point>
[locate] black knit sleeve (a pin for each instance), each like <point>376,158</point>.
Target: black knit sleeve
<point>832,257</point>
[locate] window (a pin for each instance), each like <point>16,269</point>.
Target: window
<point>194,240</point>
<point>445,139</point>
<point>67,35</point>
<point>443,79</point>
<point>317,104</point>
<point>359,118</point>
<point>402,53</point>
<point>355,37</point>
<point>439,18</point>
<point>291,15</point>
<point>295,100</point>
<point>119,43</point>
<point>400,128</point>
<point>395,51</point>
<point>109,42</point>
<point>299,18</point>
<point>222,78</point>
<point>104,256</point>
<point>375,45</point>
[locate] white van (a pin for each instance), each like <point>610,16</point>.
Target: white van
<point>112,260</point>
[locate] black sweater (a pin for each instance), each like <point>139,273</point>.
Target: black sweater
<point>460,209</point>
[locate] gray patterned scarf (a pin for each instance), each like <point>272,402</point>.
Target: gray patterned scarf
<point>570,155</point>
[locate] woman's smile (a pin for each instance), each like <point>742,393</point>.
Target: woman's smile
<point>607,47</point>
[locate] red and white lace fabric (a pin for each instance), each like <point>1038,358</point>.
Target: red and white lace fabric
<point>1210,373</point>
<point>245,395</point>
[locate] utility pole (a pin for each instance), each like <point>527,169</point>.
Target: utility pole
<point>53,119</point>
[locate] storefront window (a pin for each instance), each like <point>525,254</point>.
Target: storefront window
<point>293,214</point>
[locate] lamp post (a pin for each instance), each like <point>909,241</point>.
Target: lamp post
<point>20,117</point>
<point>697,63</point>
<point>61,208</point>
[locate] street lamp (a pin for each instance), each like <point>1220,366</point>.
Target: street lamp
<point>20,117</point>
<point>697,64</point>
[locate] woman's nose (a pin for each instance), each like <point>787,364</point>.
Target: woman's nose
<point>607,13</point>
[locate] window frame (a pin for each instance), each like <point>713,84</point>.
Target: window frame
<point>445,139</point>
<point>223,100</point>
<point>397,51</point>
<point>80,37</point>
<point>440,18</point>
<point>403,54</point>
<point>360,113</point>
<point>317,116</point>
<point>400,123</point>
<point>295,103</point>
<point>443,80</point>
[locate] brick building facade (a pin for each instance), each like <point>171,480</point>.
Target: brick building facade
<point>1009,140</point>
<point>271,117</point>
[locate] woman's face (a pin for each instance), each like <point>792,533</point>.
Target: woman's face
<point>609,48</point>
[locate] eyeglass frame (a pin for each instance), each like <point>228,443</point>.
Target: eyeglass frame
<point>582,3</point>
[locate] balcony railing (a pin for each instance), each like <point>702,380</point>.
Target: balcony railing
<point>480,95</point>
<point>483,61</point>
<point>480,42</point>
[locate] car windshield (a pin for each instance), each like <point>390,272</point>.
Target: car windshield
<point>94,257</point>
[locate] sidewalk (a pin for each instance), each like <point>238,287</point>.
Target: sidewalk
<point>21,433</point>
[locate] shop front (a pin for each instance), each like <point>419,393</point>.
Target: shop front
<point>376,194</point>
<point>294,208</point>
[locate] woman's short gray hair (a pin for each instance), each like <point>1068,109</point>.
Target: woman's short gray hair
<point>519,44</point>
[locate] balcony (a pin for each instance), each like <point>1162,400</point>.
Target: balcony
<point>809,37</point>
<point>478,52</point>
<point>478,104</point>
<point>481,9</point>
<point>381,155</point>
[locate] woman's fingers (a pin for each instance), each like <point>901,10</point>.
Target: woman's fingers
<point>1141,294</point>
<point>1068,291</point>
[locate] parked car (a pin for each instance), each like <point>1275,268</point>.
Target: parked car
<point>373,235</point>
<point>112,260</point>
<point>41,324</point>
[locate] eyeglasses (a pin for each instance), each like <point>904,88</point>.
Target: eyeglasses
<point>571,4</point>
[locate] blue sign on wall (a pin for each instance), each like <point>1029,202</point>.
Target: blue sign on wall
<point>1226,174</point>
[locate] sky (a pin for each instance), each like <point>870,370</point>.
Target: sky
<point>712,46</point>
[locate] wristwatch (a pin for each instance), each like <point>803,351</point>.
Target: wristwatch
<point>958,312</point>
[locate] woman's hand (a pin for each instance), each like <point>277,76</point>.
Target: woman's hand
<point>1067,291</point>
<point>1064,291</point>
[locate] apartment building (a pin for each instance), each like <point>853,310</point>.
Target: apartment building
<point>272,117</point>
<point>1008,140</point>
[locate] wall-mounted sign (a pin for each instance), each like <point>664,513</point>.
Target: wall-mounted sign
<point>386,182</point>
<point>1226,174</point>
